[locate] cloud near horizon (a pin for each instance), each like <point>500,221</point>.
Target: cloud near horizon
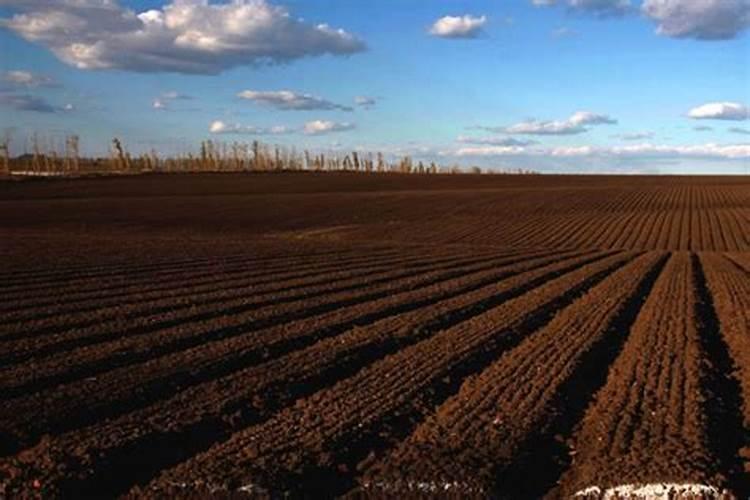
<point>577,123</point>
<point>183,36</point>
<point>314,127</point>
<point>644,150</point>
<point>320,127</point>
<point>495,141</point>
<point>720,111</point>
<point>635,136</point>
<point>287,100</point>
<point>220,127</point>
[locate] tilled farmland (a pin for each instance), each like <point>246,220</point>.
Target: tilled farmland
<point>375,336</point>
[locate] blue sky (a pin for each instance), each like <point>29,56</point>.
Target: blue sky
<point>566,85</point>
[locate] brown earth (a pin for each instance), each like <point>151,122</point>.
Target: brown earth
<point>374,335</point>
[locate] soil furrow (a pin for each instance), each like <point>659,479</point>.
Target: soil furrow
<point>190,281</point>
<point>61,367</point>
<point>293,450</point>
<point>117,335</point>
<point>650,423</point>
<point>242,398</point>
<point>487,437</point>
<point>107,395</point>
<point>231,288</point>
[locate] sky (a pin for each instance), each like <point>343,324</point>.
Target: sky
<point>605,86</point>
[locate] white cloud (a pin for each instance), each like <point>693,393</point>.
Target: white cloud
<point>711,150</point>
<point>603,8</point>
<point>720,111</point>
<point>163,101</point>
<point>466,26</point>
<point>186,36</point>
<point>536,127</point>
<point>22,78</point>
<point>571,151</point>
<point>635,136</point>
<point>69,107</point>
<point>288,100</point>
<point>489,151</point>
<point>220,127</point>
<point>365,101</point>
<point>495,141</point>
<point>575,124</point>
<point>599,8</point>
<point>25,102</point>
<point>699,19</point>
<point>589,118</point>
<point>319,127</point>
<point>636,151</point>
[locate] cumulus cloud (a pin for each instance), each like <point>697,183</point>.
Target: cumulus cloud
<point>22,78</point>
<point>495,141</point>
<point>576,124</point>
<point>720,111</point>
<point>288,100</point>
<point>220,127</point>
<point>320,127</point>
<point>26,102</point>
<point>185,36</point>
<point>599,8</point>
<point>699,19</point>
<point>466,26</point>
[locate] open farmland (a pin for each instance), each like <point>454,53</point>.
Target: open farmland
<point>375,335</point>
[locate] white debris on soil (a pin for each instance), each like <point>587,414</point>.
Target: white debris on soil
<point>214,489</point>
<point>252,489</point>
<point>37,174</point>
<point>421,486</point>
<point>653,491</point>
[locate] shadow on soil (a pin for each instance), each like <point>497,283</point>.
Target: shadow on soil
<point>724,407</point>
<point>542,460</point>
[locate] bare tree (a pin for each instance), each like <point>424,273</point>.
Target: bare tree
<point>5,152</point>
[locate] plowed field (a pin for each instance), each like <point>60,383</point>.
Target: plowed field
<point>320,335</point>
